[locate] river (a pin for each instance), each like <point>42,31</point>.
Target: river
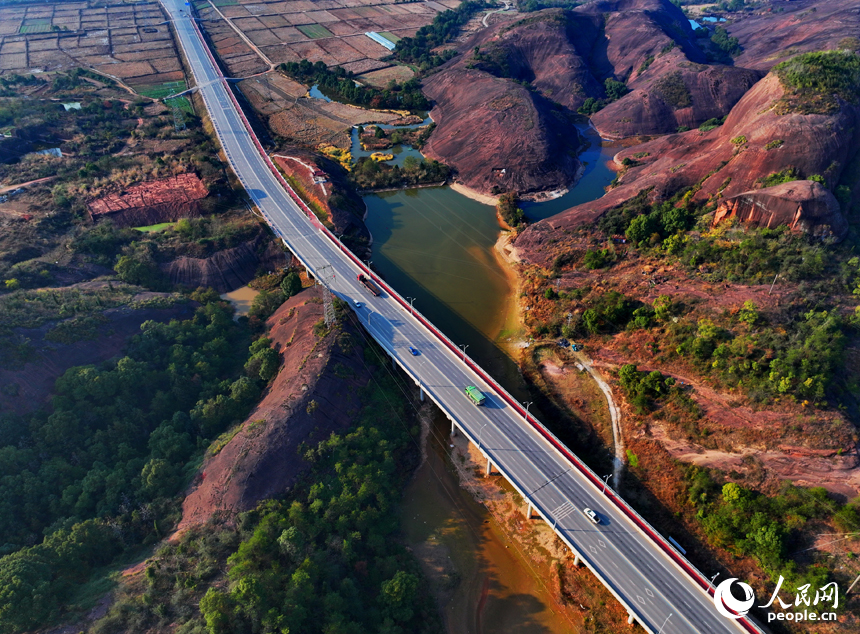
<point>437,246</point>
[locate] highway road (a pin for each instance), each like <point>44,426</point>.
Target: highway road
<point>658,587</point>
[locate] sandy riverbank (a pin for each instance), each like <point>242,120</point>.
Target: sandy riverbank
<point>474,195</point>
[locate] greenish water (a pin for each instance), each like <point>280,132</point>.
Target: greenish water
<point>437,246</point>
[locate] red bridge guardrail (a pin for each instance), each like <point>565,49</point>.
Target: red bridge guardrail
<point>619,502</point>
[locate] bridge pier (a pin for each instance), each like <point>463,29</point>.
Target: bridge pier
<point>576,559</point>
<point>529,512</point>
<point>489,466</point>
<point>453,429</point>
<point>421,393</point>
<point>630,619</point>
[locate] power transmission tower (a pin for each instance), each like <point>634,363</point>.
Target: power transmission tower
<point>178,119</point>
<point>328,305</point>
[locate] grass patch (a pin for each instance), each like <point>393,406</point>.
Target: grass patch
<point>315,31</point>
<point>87,595</point>
<point>183,103</point>
<point>35,28</point>
<point>160,91</point>
<point>78,328</point>
<point>390,36</point>
<point>155,228</point>
<point>319,212</point>
<point>223,440</point>
<point>31,309</point>
<point>674,91</point>
<point>813,81</point>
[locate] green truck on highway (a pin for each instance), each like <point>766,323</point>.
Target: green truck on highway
<point>475,395</point>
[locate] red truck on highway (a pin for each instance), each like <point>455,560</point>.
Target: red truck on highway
<point>369,285</point>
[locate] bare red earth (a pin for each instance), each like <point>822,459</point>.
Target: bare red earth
<point>315,393</point>
<point>152,202</point>
<point>229,269</point>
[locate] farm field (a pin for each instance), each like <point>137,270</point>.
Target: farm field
<point>381,77</point>
<point>158,91</point>
<point>330,31</point>
<point>126,41</point>
<point>315,31</point>
<point>306,120</point>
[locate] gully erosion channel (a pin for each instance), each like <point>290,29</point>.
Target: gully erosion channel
<point>437,246</point>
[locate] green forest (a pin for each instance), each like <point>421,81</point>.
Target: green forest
<point>323,559</point>
<point>97,475</point>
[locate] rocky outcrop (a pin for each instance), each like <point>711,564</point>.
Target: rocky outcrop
<point>315,393</point>
<point>651,45</point>
<point>229,269</point>
<point>754,142</point>
<point>498,135</point>
<point>801,26</point>
<point>152,202</point>
<point>800,205</point>
<point>674,93</point>
<point>501,136</point>
<point>631,31</point>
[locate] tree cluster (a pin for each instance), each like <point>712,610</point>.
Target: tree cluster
<point>509,209</point>
<point>768,528</point>
<point>643,387</point>
<point>799,360</point>
<point>338,84</point>
<point>370,174</point>
<point>614,90</point>
<point>418,50</point>
<point>645,224</point>
<point>326,560</point>
<point>724,48</point>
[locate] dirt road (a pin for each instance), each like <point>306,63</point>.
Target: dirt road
<point>615,414</point>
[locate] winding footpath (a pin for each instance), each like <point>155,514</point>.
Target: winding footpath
<point>615,414</point>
